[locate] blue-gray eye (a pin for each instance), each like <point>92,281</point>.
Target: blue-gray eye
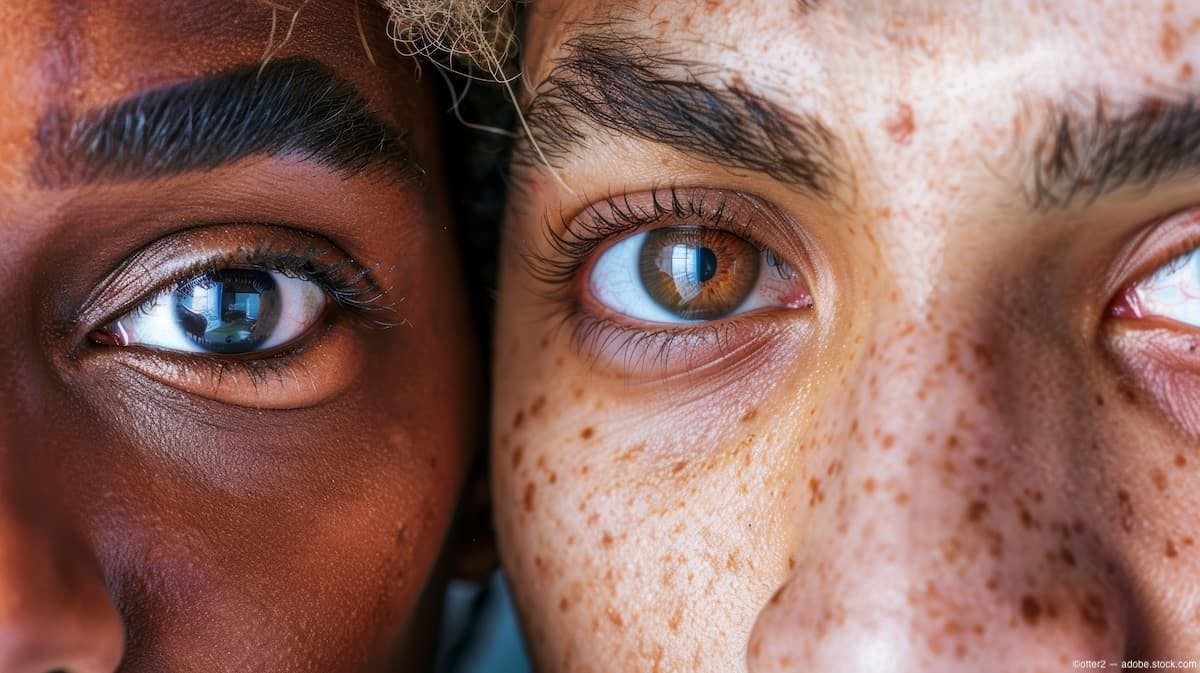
<point>227,311</point>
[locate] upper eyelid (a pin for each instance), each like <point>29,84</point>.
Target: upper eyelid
<point>578,238</point>
<point>170,259</point>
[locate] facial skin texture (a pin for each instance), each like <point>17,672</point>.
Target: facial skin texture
<point>183,512</point>
<point>958,456</point>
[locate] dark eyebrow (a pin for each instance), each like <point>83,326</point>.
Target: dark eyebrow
<point>609,79</point>
<point>1083,155</point>
<point>290,107</point>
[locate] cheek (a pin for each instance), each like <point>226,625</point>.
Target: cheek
<point>621,538</point>
<point>308,543</point>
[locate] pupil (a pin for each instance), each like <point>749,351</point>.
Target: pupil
<point>706,260</point>
<point>230,310</point>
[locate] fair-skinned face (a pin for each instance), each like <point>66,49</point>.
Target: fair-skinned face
<point>214,454</point>
<point>841,336</point>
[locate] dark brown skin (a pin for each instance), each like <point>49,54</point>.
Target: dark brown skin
<point>175,512</point>
<point>965,452</point>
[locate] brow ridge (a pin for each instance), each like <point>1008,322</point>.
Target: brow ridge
<point>612,81</point>
<point>295,107</point>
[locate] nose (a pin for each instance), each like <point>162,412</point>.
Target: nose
<point>935,534</point>
<point>56,615</point>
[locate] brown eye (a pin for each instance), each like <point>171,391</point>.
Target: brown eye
<point>698,273</point>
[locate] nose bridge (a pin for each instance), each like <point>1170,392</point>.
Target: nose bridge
<point>925,555</point>
<point>55,612</point>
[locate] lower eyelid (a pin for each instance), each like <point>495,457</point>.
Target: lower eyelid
<point>326,366</point>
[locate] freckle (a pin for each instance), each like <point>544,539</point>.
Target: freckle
<point>1025,516</point>
<point>632,452</point>
<point>791,563</point>
<point>678,467</point>
<point>749,415</point>
<point>1125,505</point>
<point>675,620</point>
<point>559,361</point>
<point>615,617</point>
<point>536,408</point>
<point>901,498</point>
<point>1185,71</point>
<point>1092,611</point>
<point>1187,541</point>
<point>1067,556</point>
<point>584,469</point>
<point>756,648</point>
<point>888,441</point>
<point>587,433</point>
<point>518,419</point>
<point>992,584</point>
<point>869,485</point>
<point>1159,479</point>
<point>606,539</point>
<point>900,126</point>
<point>1169,549</point>
<point>1030,610</point>
<point>564,604</point>
<point>976,510</point>
<point>1099,400</point>
<point>530,488</point>
<point>1169,41</point>
<point>1180,461</point>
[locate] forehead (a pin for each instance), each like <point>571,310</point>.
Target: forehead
<point>856,49</point>
<point>73,56</point>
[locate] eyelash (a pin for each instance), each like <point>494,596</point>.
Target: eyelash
<point>349,284</point>
<point>574,244</point>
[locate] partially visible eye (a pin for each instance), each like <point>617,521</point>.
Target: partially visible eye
<point>1172,292</point>
<point>228,311</point>
<point>692,274</point>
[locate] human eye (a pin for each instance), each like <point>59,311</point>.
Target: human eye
<point>249,315</point>
<point>688,274</point>
<point>677,278</point>
<point>1171,292</point>
<point>232,310</point>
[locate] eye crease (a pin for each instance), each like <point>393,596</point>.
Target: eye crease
<point>229,311</point>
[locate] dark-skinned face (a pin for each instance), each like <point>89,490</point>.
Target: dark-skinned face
<point>854,335</point>
<point>236,375</point>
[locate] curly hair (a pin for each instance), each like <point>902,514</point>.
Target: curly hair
<point>466,35</point>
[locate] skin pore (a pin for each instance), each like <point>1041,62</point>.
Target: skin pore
<point>901,373</point>
<point>238,367</point>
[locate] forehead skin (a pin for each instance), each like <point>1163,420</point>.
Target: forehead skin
<point>145,523</point>
<point>951,464</point>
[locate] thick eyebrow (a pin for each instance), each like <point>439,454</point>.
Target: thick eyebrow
<point>1081,156</point>
<point>294,107</point>
<point>609,79</point>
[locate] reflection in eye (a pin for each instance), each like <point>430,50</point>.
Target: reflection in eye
<point>1172,292</point>
<point>227,311</point>
<point>689,274</point>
